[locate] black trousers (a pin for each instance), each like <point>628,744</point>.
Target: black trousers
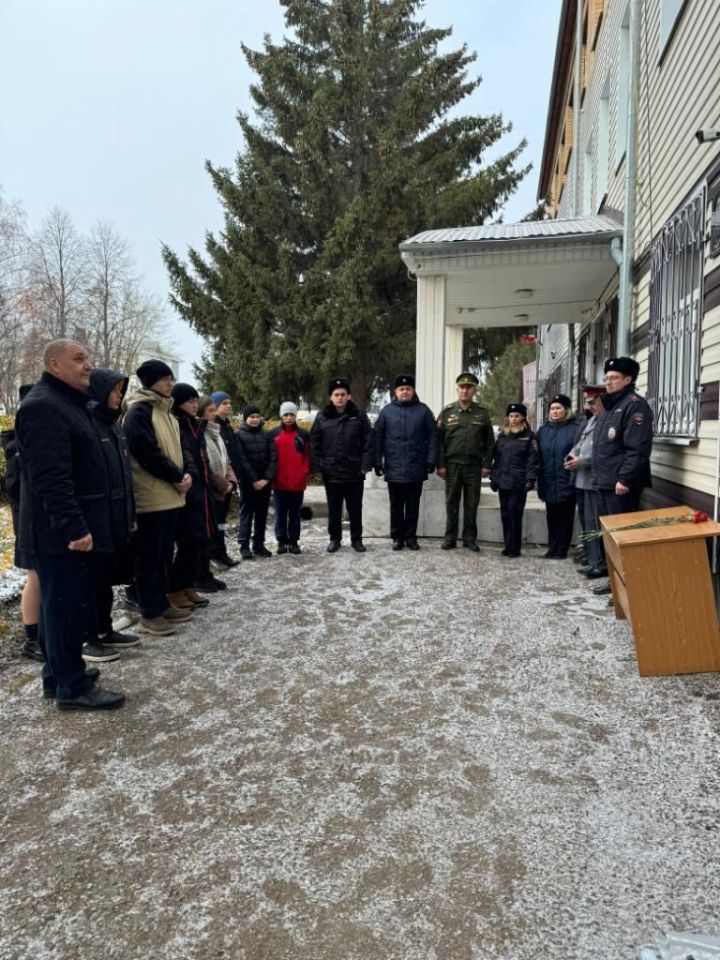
<point>404,509</point>
<point>153,558</point>
<point>351,493</point>
<point>220,510</point>
<point>287,515</point>
<point>191,562</point>
<point>67,618</point>
<point>560,518</point>
<point>253,514</point>
<point>512,507</point>
<point>609,502</point>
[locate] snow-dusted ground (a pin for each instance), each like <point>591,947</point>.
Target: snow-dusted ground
<point>430,756</point>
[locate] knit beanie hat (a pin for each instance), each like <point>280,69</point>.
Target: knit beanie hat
<point>249,410</point>
<point>288,407</point>
<point>218,396</point>
<point>151,371</point>
<point>182,392</point>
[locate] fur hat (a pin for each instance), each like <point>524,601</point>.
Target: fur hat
<point>404,380</point>
<point>562,399</point>
<point>625,365</point>
<point>516,408</point>
<point>339,383</point>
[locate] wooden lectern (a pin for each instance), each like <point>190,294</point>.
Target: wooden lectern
<point>661,583</point>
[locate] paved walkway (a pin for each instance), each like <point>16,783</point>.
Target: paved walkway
<point>424,756</point>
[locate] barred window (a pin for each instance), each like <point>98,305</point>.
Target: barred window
<point>675,314</point>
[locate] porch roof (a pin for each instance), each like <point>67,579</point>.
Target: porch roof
<point>517,274</point>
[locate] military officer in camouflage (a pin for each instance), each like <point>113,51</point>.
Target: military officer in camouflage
<point>465,445</point>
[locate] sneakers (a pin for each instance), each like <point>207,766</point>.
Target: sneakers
<point>156,626</point>
<point>260,550</point>
<point>92,674</point>
<point>119,640</point>
<point>98,653</point>
<point>196,599</point>
<point>294,548</point>
<point>176,615</point>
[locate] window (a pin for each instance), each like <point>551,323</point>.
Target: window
<point>669,12</point>
<point>623,88</point>
<point>587,182</point>
<point>675,305</point>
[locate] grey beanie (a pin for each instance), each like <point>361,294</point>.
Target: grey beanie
<point>288,407</point>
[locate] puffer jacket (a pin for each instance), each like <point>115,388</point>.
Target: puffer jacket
<point>342,443</point>
<point>8,442</point>
<point>153,436</point>
<point>293,465</point>
<point>405,441</point>
<point>257,453</point>
<point>556,440</point>
<point>115,450</point>
<point>516,460</point>
<point>65,492</point>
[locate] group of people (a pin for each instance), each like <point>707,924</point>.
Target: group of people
<point>111,489</point>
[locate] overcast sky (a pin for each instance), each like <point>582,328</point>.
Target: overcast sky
<point>110,109</point>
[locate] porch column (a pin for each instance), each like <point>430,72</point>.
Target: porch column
<point>453,361</point>
<point>430,341</point>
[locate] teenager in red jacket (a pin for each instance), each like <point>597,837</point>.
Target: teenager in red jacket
<point>293,449</point>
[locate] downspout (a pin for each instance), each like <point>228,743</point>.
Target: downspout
<point>631,152</point>
<point>576,169</point>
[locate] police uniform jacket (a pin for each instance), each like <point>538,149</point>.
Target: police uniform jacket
<point>65,491</point>
<point>622,441</point>
<point>341,443</point>
<point>516,461</point>
<point>405,441</point>
<point>465,436</point>
<point>555,440</point>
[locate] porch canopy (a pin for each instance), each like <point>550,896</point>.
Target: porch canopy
<point>503,275</point>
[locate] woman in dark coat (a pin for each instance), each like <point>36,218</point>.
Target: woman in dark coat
<point>405,439</point>
<point>513,472</point>
<point>196,525</point>
<point>556,439</point>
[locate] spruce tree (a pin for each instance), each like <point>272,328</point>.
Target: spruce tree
<point>355,143</point>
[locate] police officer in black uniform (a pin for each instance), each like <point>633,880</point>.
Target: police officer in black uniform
<point>622,443</point>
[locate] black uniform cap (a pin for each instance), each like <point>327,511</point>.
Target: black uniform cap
<point>339,383</point>
<point>516,408</point>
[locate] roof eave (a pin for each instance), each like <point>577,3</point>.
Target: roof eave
<point>457,247</point>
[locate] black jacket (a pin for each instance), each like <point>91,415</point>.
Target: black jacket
<point>556,440</point>
<point>405,441</point>
<point>622,441</point>
<point>257,453</point>
<point>231,445</point>
<point>115,450</point>
<point>341,443</point>
<point>8,442</point>
<point>65,492</point>
<point>516,461</point>
<point>196,519</point>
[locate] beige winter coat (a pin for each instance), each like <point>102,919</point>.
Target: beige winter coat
<point>145,435</point>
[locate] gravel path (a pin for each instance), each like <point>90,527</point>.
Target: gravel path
<point>424,756</point>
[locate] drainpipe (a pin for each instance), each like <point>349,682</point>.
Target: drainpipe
<point>576,211</point>
<point>631,152</point>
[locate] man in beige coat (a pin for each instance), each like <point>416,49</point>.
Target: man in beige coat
<point>160,482</point>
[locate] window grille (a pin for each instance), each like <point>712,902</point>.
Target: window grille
<point>675,313</point>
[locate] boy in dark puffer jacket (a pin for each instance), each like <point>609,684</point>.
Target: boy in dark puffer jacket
<point>258,458</point>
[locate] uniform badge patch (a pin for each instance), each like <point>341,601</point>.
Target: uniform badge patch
<point>612,433</point>
<point>639,419</point>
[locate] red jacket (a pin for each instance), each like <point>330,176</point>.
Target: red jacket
<point>293,448</point>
